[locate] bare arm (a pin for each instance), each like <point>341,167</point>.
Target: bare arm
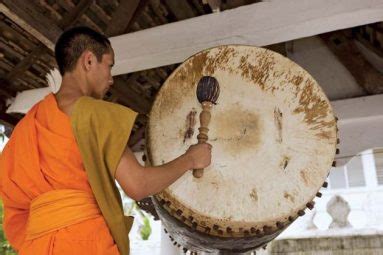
<point>139,182</point>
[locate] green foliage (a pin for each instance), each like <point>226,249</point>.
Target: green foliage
<point>144,226</point>
<point>2,135</point>
<point>5,248</point>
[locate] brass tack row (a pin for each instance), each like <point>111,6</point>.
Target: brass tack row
<point>265,230</point>
<point>310,205</point>
<point>280,225</point>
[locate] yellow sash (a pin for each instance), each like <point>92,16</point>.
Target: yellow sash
<point>57,209</point>
<point>102,130</point>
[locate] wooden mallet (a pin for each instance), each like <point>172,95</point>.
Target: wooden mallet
<point>207,94</point>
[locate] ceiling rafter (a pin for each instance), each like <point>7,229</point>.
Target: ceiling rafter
<point>121,18</point>
<point>28,17</point>
<point>180,9</point>
<point>74,15</point>
<point>349,55</point>
<point>26,63</point>
<point>68,20</point>
<point>25,15</point>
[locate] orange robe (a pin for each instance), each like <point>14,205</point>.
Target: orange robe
<point>42,156</point>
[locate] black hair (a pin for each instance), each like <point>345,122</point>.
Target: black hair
<point>73,42</point>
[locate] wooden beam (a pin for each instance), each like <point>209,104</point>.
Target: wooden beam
<point>215,5</point>
<point>349,55</point>
<point>28,17</point>
<point>376,60</point>
<point>121,18</point>
<point>68,20</point>
<point>25,14</point>
<point>360,125</point>
<point>180,9</point>
<point>72,16</point>
<point>26,62</point>
<point>258,24</point>
<point>370,46</point>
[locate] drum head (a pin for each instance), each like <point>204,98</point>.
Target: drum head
<point>273,133</point>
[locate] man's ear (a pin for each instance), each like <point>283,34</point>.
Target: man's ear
<point>88,60</point>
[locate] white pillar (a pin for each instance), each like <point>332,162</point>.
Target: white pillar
<point>369,168</point>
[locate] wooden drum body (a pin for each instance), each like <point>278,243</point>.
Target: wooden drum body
<point>274,139</point>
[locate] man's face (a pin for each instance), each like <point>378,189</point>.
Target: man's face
<point>101,76</point>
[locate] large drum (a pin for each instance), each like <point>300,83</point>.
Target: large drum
<point>274,140</point>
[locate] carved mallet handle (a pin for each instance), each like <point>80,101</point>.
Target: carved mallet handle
<point>207,94</point>
<point>202,137</point>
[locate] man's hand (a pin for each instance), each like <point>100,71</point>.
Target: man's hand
<point>200,155</point>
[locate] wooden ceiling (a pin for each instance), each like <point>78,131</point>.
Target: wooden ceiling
<point>29,29</point>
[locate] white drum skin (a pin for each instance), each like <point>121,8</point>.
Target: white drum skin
<point>274,139</point>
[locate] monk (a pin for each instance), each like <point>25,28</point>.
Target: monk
<point>58,170</point>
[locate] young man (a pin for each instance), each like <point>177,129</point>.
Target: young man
<point>58,170</point>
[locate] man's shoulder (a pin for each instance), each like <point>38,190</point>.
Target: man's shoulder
<point>89,105</point>
<point>25,121</point>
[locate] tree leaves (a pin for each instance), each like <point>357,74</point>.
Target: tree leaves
<point>5,248</point>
